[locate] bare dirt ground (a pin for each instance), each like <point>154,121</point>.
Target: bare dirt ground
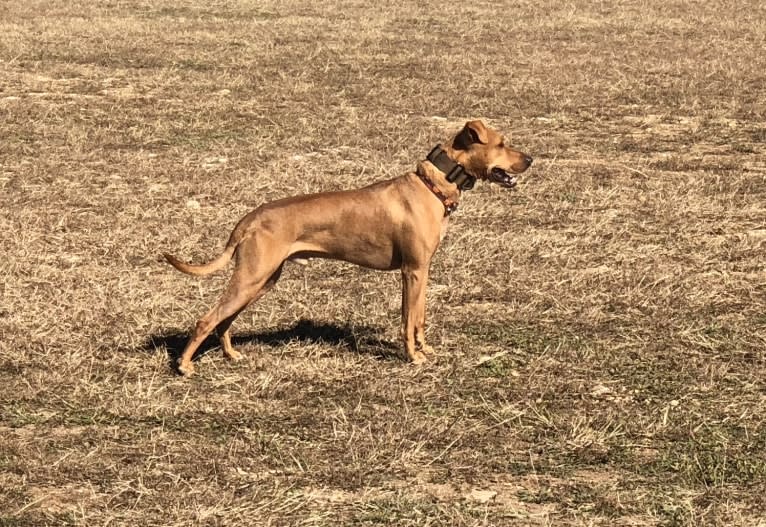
<point>601,330</point>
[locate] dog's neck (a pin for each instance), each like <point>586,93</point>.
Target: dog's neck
<point>444,178</point>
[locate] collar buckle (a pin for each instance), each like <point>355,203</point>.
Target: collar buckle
<point>461,178</point>
<point>454,173</point>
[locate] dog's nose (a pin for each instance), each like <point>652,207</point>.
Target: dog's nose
<point>528,160</point>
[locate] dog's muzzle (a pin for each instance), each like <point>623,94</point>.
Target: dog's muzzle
<point>508,179</point>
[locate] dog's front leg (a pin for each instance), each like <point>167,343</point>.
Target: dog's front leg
<point>414,313</point>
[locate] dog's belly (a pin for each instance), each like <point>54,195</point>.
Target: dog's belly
<point>363,250</point>
<point>380,264</point>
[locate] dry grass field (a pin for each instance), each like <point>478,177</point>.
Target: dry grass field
<point>601,330</point>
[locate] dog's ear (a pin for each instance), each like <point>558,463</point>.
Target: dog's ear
<point>472,132</point>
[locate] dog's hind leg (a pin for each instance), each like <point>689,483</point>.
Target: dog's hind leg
<point>249,282</point>
<point>224,328</point>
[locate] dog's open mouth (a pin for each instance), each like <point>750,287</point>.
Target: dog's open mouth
<point>502,178</point>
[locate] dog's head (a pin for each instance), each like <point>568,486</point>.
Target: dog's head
<point>485,154</point>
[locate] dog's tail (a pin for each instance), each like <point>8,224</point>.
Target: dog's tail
<point>203,269</point>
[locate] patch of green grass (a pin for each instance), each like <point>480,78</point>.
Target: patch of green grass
<point>525,338</point>
<point>36,519</point>
<point>586,497</point>
<point>569,197</point>
<point>714,456</point>
<point>408,512</point>
<point>193,65</point>
<point>497,367</point>
<point>596,454</point>
<point>199,14</point>
<point>20,413</point>
<point>542,494</point>
<point>743,148</point>
<point>674,513</point>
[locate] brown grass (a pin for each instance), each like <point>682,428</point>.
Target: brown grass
<point>601,331</point>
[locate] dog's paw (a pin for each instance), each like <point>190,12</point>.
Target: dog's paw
<point>428,350</point>
<point>418,357</point>
<point>234,355</point>
<point>185,369</point>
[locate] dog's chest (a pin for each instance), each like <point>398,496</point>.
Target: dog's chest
<point>443,231</point>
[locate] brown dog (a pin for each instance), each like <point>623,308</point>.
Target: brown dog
<point>394,224</point>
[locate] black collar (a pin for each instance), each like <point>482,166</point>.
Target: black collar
<point>455,172</point>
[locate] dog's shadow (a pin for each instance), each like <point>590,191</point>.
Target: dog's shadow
<point>358,339</point>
